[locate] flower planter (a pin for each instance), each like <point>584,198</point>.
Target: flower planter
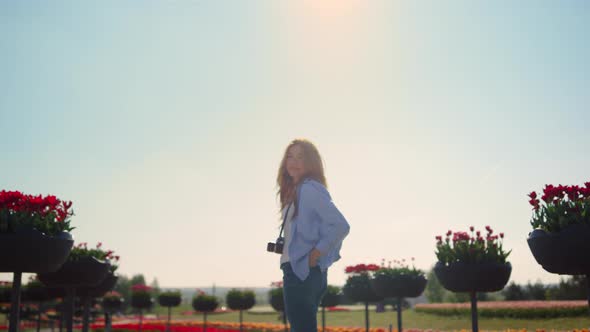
<point>33,251</point>
<point>5,294</point>
<point>112,304</point>
<point>561,252</point>
<point>276,300</point>
<point>358,289</point>
<point>482,277</point>
<point>142,301</point>
<point>398,286</point>
<point>85,272</point>
<point>169,301</point>
<point>330,300</point>
<point>106,285</point>
<point>30,251</point>
<point>35,294</point>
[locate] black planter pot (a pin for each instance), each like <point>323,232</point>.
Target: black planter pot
<point>112,304</point>
<point>169,301</point>
<point>330,300</point>
<point>85,272</point>
<point>562,252</point>
<point>106,285</point>
<point>141,301</point>
<point>36,294</point>
<point>5,294</point>
<point>30,251</point>
<point>358,289</point>
<point>56,292</point>
<point>276,300</point>
<point>398,286</point>
<point>482,277</point>
<point>33,251</point>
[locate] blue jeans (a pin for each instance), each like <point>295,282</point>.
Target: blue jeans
<point>302,298</point>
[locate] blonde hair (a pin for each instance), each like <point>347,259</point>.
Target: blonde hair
<point>313,168</point>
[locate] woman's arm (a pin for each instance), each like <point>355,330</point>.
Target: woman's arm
<point>333,226</point>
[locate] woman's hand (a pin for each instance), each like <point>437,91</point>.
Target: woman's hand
<point>314,256</point>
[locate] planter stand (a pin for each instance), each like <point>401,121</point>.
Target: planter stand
<point>31,251</point>
<point>462,277</point>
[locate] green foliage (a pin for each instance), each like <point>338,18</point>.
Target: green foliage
<point>513,292</point>
<point>171,293</point>
<point>331,297</point>
<point>571,288</point>
<point>275,297</point>
<point>472,248</point>
<point>205,303</point>
<point>560,206</point>
<point>45,224</point>
<point>141,300</point>
<point>434,292</point>
<point>399,268</point>
<point>358,289</point>
<point>81,251</point>
<point>240,300</point>
<point>513,312</point>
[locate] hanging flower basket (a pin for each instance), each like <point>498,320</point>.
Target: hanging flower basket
<point>476,277</point>
<point>141,297</point>
<point>399,286</point>
<point>106,285</point>
<point>34,232</point>
<point>112,302</point>
<point>170,299</point>
<point>358,285</point>
<point>561,229</point>
<point>83,272</point>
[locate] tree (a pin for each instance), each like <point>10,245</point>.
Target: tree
<point>535,291</point>
<point>155,287</point>
<point>123,287</point>
<point>513,292</point>
<point>572,288</point>
<point>434,290</point>
<point>138,279</point>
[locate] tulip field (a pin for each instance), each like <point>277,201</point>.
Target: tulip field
<point>515,309</point>
<point>351,319</point>
<point>415,320</point>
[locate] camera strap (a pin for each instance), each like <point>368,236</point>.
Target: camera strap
<point>289,207</point>
<point>285,220</point>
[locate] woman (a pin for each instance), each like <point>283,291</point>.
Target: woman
<point>314,230</point>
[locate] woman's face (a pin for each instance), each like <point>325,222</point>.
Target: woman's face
<point>295,163</point>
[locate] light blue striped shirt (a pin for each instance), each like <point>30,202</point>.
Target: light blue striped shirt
<point>318,224</point>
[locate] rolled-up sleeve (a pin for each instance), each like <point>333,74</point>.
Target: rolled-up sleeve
<point>333,226</point>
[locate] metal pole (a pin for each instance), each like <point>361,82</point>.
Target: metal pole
<point>399,314</point>
<point>323,319</point>
<point>367,316</point>
<point>241,327</point>
<point>169,315</point>
<point>86,317</point>
<point>70,306</point>
<point>107,321</point>
<point>474,327</point>
<point>39,317</point>
<point>15,302</point>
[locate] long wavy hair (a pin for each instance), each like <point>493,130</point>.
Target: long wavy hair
<point>313,168</point>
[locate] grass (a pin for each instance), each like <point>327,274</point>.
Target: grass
<point>411,319</point>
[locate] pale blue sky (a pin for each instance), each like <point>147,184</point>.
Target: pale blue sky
<point>165,121</point>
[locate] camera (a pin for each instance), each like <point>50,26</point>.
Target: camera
<point>276,247</point>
